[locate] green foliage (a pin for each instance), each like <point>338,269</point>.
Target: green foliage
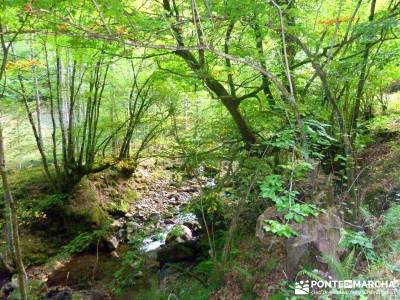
<point>279,229</point>
<point>177,231</point>
<point>131,264</point>
<point>182,290</point>
<point>343,270</point>
<point>358,240</point>
<point>38,208</point>
<point>388,233</point>
<point>272,188</point>
<point>318,137</point>
<point>81,242</point>
<point>215,206</point>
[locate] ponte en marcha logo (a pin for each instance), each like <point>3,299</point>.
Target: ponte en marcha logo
<point>305,287</point>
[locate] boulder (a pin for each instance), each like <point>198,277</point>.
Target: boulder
<point>261,234</point>
<point>84,205</point>
<point>194,226</point>
<point>111,243</point>
<point>177,252</point>
<point>179,234</point>
<point>317,236</point>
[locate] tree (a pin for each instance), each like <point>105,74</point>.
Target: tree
<point>11,215</point>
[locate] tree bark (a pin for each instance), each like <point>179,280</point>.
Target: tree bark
<point>12,218</point>
<point>362,78</point>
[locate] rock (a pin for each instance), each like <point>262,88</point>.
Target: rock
<point>114,254</point>
<point>59,293</point>
<point>169,221</point>
<point>153,217</point>
<point>317,236</point>
<point>194,226</point>
<point>128,215</point>
<point>112,243</point>
<point>6,289</point>
<point>132,227</point>
<point>269,213</point>
<point>188,189</point>
<point>177,252</point>
<point>122,235</point>
<point>139,216</point>
<point>84,205</point>
<point>179,233</point>
<point>117,224</point>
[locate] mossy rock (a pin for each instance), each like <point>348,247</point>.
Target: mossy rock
<point>84,205</point>
<point>120,204</point>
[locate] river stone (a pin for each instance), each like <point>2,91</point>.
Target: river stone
<point>177,252</point>
<point>128,215</point>
<point>179,233</point>
<point>117,224</point>
<point>132,227</point>
<point>122,235</point>
<point>111,243</point>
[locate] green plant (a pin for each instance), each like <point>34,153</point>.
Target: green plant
<point>81,242</point>
<point>279,229</point>
<point>132,264</point>
<point>177,231</point>
<point>342,269</point>
<point>284,201</point>
<point>358,240</point>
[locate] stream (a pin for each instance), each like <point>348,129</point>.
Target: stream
<point>160,206</point>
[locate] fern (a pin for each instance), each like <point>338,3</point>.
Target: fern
<point>311,275</point>
<point>342,270</point>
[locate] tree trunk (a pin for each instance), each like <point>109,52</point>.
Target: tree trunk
<point>362,79</point>
<point>13,222</point>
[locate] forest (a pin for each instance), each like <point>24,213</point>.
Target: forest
<point>199,149</point>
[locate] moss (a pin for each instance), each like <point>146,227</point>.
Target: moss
<point>177,231</point>
<point>130,195</point>
<point>84,205</point>
<point>36,249</point>
<point>120,201</point>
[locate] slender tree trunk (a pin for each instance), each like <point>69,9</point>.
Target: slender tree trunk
<point>10,207</point>
<point>37,94</point>
<point>362,78</point>
<point>260,49</point>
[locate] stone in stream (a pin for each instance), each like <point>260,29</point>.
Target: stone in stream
<point>139,216</point>
<point>179,233</point>
<point>112,243</point>
<point>114,254</point>
<point>194,226</point>
<point>117,224</point>
<point>177,252</point>
<point>132,227</point>
<point>169,221</point>
<point>122,235</point>
<point>128,215</point>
